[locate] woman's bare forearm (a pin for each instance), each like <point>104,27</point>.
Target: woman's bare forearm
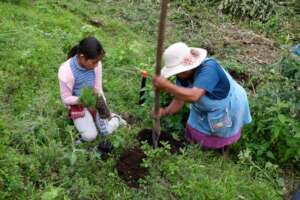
<point>174,107</point>
<point>185,94</point>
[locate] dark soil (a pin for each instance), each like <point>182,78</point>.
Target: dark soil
<point>129,166</point>
<point>210,49</point>
<point>238,76</point>
<point>184,119</point>
<point>242,77</point>
<point>146,135</point>
<point>131,119</point>
<point>96,22</point>
<point>105,148</point>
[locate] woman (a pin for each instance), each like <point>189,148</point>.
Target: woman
<point>219,105</point>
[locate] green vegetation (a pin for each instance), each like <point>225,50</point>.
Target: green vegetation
<point>87,97</point>
<point>253,9</point>
<point>38,159</point>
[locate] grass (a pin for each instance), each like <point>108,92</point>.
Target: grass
<point>37,155</point>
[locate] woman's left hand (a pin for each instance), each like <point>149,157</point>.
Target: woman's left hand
<point>160,82</point>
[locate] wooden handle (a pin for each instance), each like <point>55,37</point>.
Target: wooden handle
<point>159,52</point>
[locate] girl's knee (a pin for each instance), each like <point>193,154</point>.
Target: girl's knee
<point>89,136</point>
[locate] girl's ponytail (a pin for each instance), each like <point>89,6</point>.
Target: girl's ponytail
<point>73,51</point>
<point>90,47</point>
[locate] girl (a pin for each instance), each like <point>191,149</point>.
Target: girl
<point>219,105</point>
<point>83,69</point>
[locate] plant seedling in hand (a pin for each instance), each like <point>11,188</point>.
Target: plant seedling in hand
<point>87,97</point>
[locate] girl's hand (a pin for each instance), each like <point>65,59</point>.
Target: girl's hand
<point>160,82</point>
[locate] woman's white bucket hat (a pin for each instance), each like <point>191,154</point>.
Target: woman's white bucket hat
<point>180,58</point>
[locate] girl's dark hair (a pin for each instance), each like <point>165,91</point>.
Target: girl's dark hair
<point>90,47</point>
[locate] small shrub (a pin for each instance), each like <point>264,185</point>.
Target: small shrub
<point>251,9</point>
<point>275,131</point>
<point>290,68</point>
<point>18,2</point>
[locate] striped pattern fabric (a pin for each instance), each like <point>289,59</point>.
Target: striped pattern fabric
<point>83,77</point>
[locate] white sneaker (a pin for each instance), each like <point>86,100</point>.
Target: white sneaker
<point>121,120</point>
<point>78,142</point>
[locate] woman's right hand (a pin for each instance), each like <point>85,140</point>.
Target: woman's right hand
<point>161,83</point>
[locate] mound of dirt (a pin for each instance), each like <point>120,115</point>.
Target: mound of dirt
<point>129,166</point>
<point>146,135</point>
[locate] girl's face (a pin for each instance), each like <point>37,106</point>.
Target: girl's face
<point>88,63</point>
